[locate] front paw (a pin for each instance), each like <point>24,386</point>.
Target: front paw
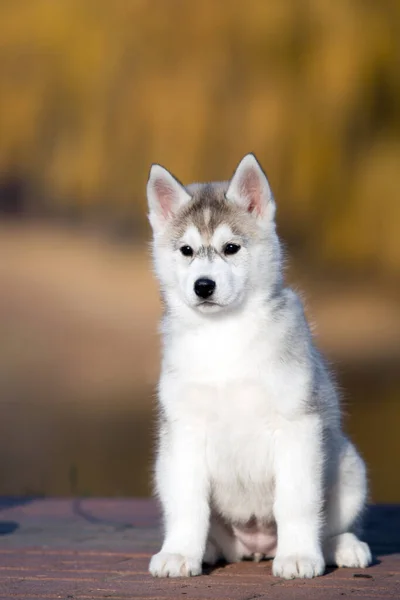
<point>298,565</point>
<point>165,564</point>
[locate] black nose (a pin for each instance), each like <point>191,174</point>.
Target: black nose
<point>204,287</point>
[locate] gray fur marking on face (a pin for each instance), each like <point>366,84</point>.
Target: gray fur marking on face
<point>208,209</point>
<point>206,252</point>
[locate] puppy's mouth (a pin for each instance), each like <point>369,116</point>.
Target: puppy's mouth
<point>208,305</point>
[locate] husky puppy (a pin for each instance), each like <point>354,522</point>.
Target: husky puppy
<point>252,461</point>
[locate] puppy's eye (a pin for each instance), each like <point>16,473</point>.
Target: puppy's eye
<point>186,251</point>
<point>231,249</point>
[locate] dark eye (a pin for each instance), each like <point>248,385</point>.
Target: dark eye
<point>231,249</point>
<point>187,251</point>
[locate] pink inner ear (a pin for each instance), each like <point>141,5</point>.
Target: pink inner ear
<point>165,196</point>
<point>250,188</point>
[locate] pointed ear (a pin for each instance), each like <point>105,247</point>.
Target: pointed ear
<point>165,195</point>
<point>250,189</point>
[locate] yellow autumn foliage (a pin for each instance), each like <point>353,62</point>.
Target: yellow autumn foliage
<point>93,91</point>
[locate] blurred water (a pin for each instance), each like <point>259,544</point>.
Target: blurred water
<point>79,362</point>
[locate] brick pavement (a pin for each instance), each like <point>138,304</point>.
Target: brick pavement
<point>100,548</point>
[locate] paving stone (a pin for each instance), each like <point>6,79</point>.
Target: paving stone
<point>92,549</point>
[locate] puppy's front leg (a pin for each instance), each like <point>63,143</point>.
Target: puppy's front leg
<point>183,489</point>
<point>299,498</point>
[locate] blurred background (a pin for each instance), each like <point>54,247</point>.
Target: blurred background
<point>91,93</point>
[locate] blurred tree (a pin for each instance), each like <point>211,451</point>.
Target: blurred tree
<point>93,91</point>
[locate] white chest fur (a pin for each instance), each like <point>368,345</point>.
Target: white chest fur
<point>226,382</point>
<point>230,371</point>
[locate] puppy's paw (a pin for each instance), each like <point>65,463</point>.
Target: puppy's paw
<point>349,551</point>
<point>165,564</point>
<point>298,565</point>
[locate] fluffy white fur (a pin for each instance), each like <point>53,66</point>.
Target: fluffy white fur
<point>252,461</point>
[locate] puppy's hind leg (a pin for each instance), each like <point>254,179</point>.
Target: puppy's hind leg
<point>345,506</point>
<point>212,554</point>
<point>223,544</point>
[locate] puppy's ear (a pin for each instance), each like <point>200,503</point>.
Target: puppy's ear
<point>165,196</point>
<point>250,189</point>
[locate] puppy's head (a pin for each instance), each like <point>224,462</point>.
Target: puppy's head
<point>214,243</point>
